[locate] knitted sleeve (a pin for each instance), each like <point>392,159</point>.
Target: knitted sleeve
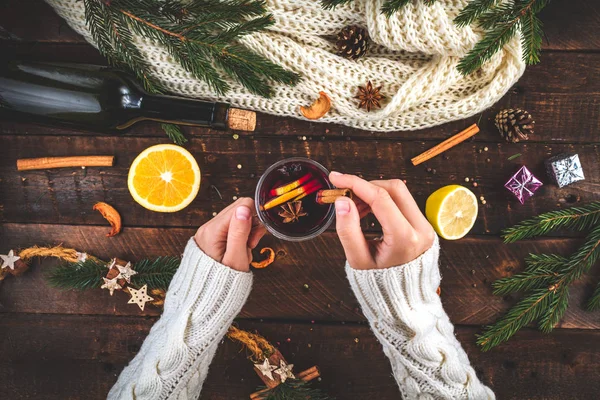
<point>407,316</point>
<point>203,298</point>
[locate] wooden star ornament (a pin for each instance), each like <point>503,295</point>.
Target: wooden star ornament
<point>139,296</point>
<point>126,272</point>
<point>284,371</point>
<point>266,368</point>
<point>111,285</point>
<point>8,260</point>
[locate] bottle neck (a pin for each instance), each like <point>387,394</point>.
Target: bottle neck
<point>182,111</point>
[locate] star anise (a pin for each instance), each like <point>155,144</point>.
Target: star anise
<point>292,211</point>
<point>369,96</point>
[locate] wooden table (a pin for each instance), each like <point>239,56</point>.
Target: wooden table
<point>71,345</point>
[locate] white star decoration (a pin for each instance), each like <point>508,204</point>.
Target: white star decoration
<point>266,369</point>
<point>285,371</point>
<point>139,296</point>
<point>126,272</point>
<point>8,260</point>
<point>111,285</point>
<point>111,264</point>
<point>81,256</point>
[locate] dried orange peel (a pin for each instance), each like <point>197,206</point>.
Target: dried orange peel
<point>268,261</point>
<point>317,109</point>
<point>111,215</point>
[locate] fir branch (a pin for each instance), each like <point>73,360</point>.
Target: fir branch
<point>575,218</point>
<point>582,260</point>
<point>524,281</point>
<point>558,305</point>
<point>174,133</point>
<point>82,275</point>
<point>524,312</point>
<point>201,35</point>
<point>594,302</point>
<point>293,389</point>
<point>501,23</point>
<point>88,274</point>
<point>546,281</point>
<point>473,11</point>
<point>157,274</point>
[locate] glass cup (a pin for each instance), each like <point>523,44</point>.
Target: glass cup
<point>312,175</point>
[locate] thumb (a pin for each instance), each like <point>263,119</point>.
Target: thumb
<point>351,235</point>
<point>236,252</point>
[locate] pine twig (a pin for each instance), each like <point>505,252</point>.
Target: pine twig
<point>81,275</point>
<point>546,283</point>
<point>594,302</point>
<point>157,274</point>
<point>575,218</point>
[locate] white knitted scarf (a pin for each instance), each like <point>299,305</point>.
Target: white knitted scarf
<point>413,55</point>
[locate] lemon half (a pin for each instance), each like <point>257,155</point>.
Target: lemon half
<point>452,210</point>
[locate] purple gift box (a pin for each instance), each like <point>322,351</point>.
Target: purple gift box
<point>523,184</point>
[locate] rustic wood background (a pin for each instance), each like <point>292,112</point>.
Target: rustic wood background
<point>71,345</point>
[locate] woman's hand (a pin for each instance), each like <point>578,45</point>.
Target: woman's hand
<point>406,232</point>
<point>230,236</point>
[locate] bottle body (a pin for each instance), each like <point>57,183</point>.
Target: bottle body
<point>93,97</point>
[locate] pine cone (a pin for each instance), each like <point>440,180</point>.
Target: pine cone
<point>352,42</point>
<point>514,124</point>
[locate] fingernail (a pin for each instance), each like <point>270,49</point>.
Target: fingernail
<point>335,173</point>
<point>342,207</point>
<point>242,213</point>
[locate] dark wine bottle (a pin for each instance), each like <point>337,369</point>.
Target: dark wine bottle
<point>101,98</point>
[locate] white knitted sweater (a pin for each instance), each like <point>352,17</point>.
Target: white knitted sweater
<point>401,304</point>
<point>413,56</point>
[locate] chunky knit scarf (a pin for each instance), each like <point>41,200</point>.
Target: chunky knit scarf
<point>413,56</point>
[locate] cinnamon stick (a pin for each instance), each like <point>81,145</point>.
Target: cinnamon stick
<point>28,164</point>
<point>306,376</point>
<point>329,196</point>
<point>446,144</point>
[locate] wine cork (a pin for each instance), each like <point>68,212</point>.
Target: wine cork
<point>241,120</point>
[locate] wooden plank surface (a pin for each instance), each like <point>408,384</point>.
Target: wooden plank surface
<point>66,196</point>
<point>468,267</point>
<point>79,357</point>
<point>72,345</point>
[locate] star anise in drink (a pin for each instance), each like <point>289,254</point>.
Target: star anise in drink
<point>369,96</point>
<point>291,211</point>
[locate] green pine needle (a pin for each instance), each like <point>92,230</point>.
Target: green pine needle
<point>174,133</point>
<point>294,389</point>
<point>157,274</point>
<point>575,218</point>
<point>594,302</point>
<point>524,312</point>
<point>82,275</point>
<point>546,279</point>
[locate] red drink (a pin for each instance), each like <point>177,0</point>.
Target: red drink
<point>286,199</point>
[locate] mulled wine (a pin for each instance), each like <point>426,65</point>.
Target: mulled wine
<point>286,199</point>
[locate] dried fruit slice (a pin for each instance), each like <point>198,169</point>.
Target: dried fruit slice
<point>290,186</point>
<point>317,109</point>
<point>284,198</point>
<point>308,191</point>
